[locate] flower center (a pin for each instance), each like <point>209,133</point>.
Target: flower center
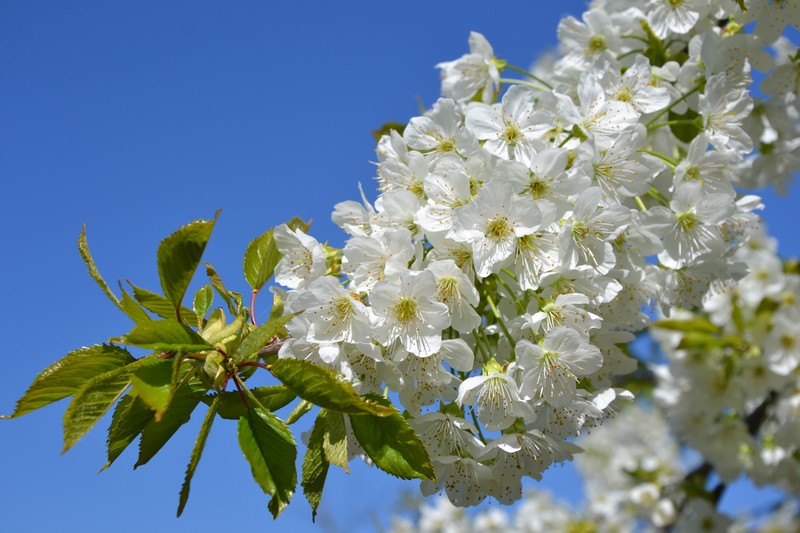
<point>597,43</point>
<point>498,229</point>
<point>512,134</point>
<point>447,289</point>
<point>405,310</point>
<point>687,221</point>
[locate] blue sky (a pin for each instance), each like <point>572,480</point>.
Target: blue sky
<point>138,117</point>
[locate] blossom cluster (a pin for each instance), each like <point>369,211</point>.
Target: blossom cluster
<point>741,364</point>
<point>524,227</point>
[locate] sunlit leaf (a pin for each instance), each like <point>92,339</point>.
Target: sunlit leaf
<point>323,388</point>
<point>197,452</point>
<point>178,258</point>
<point>64,377</point>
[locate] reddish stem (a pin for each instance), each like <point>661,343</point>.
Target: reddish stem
<point>253,307</point>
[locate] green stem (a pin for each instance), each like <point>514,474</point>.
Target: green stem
<point>637,37</point>
<point>670,123</point>
<point>630,52</point>
<point>656,195</point>
<point>477,425</point>
<point>501,281</point>
<point>481,348</point>
<point>500,320</point>
<point>531,76</point>
<point>639,203</point>
<point>525,83</point>
<point>670,106</point>
<point>666,159</point>
<point>570,136</point>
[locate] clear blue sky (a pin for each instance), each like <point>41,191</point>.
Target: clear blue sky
<point>137,117</point>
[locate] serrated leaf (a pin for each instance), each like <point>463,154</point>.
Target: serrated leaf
<point>92,400</point>
<point>334,441</point>
<point>130,417</point>
<point>160,306</point>
<point>197,452</point>
<point>64,377</point>
<point>262,256</point>
<point>258,338</point>
<point>157,432</point>
<point>270,448</point>
<point>203,299</point>
<point>303,407</point>
<point>315,466</point>
<point>178,258</point>
<point>83,250</point>
<point>153,382</point>
<point>165,336</point>
<point>393,445</point>
<point>323,388</point>
<point>216,282</point>
<point>132,308</point>
<point>231,406</point>
<point>697,325</point>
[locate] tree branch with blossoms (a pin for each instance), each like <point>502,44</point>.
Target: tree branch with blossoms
<point>476,320</point>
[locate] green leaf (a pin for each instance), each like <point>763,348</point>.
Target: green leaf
<point>64,377</point>
<point>258,338</point>
<point>334,442</point>
<point>197,452</point>
<point>315,466</point>
<point>178,257</point>
<point>91,402</point>
<point>157,433</point>
<point>155,303</point>
<point>300,409</point>
<point>132,308</point>
<point>83,249</point>
<point>273,398</point>
<point>216,282</point>
<point>130,417</point>
<point>697,325</point>
<point>387,128</point>
<point>262,255</point>
<point>270,448</point>
<point>393,445</point>
<point>165,336</point>
<point>690,126</point>
<point>153,382</point>
<point>203,299</point>
<point>323,388</point>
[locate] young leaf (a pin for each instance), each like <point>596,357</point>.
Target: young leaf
<point>216,282</point>
<point>203,299</point>
<point>152,382</point>
<point>165,336</point>
<point>260,259</point>
<point>91,402</point>
<point>157,304</point>
<point>334,442</point>
<point>315,466</point>
<point>132,308</point>
<point>64,377</point>
<point>157,432</point>
<point>300,409</point>
<point>197,452</point>
<point>393,445</point>
<point>262,256</point>
<point>322,387</point>
<point>270,448</point>
<point>273,398</point>
<point>83,249</point>
<point>258,338</point>
<point>178,257</point>
<point>130,417</point>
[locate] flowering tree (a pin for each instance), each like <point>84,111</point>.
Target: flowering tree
<point>477,318</point>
